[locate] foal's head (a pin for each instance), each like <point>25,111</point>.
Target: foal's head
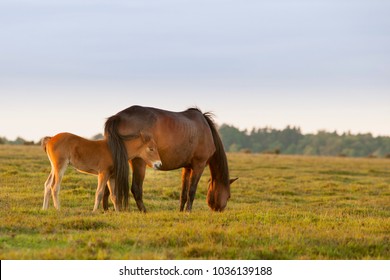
<point>146,148</point>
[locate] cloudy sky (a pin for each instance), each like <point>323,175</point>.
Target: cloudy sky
<point>67,65</point>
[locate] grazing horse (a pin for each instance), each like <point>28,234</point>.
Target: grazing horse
<point>187,140</point>
<point>93,157</point>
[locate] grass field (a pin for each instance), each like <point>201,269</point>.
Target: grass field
<point>282,207</point>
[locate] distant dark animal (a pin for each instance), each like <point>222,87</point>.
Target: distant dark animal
<point>92,157</point>
<point>186,139</point>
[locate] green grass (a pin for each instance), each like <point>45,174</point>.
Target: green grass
<point>282,207</point>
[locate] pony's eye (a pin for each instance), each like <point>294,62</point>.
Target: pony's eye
<point>151,150</point>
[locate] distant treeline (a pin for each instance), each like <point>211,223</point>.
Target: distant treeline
<point>17,141</point>
<point>289,141</point>
<point>21,141</point>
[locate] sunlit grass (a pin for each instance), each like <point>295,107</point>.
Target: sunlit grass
<point>282,207</point>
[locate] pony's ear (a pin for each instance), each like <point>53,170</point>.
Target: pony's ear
<point>233,180</point>
<point>145,137</point>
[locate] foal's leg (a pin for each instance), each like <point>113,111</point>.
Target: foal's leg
<point>47,192</point>
<point>185,184</point>
<point>102,181</point>
<point>55,192</point>
<point>111,187</point>
<point>194,180</point>
<point>139,166</point>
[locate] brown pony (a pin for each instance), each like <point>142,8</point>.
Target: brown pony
<point>186,139</point>
<point>92,157</point>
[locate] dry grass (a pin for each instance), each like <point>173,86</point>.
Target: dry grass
<point>282,207</point>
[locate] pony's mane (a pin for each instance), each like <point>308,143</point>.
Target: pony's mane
<point>218,162</point>
<point>194,109</point>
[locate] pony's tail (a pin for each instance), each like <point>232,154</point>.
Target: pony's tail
<point>121,164</point>
<point>218,160</point>
<point>44,142</point>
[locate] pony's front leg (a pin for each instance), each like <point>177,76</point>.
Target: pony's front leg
<point>194,180</point>
<point>47,191</point>
<point>102,181</point>
<point>185,184</point>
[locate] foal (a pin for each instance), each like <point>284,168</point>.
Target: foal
<point>92,157</point>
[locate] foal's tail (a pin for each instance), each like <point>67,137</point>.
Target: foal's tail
<point>44,142</point>
<point>121,164</point>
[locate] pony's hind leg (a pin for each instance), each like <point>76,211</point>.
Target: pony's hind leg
<point>139,167</point>
<point>47,191</point>
<point>105,197</point>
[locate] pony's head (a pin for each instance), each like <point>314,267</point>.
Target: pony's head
<point>218,194</point>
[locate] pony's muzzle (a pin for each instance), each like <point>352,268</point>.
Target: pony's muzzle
<point>157,165</point>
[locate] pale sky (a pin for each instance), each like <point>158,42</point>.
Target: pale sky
<point>67,65</point>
